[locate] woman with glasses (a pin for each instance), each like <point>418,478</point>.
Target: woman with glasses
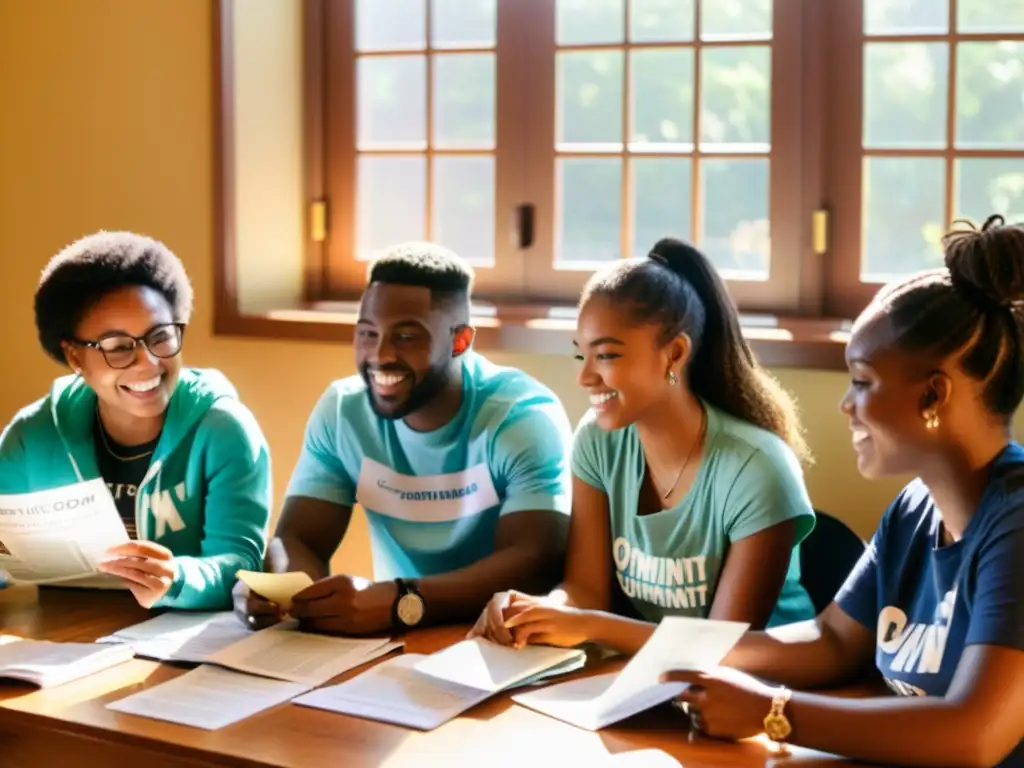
<point>186,463</point>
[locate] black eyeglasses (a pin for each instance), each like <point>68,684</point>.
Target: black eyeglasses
<point>120,350</point>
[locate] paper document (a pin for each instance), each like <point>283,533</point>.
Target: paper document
<point>49,664</point>
<point>677,643</point>
<point>285,654</point>
<point>488,666</point>
<point>394,691</point>
<point>186,636</point>
<point>208,698</point>
<point>278,588</point>
<point>59,534</point>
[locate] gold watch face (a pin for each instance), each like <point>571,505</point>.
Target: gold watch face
<point>777,727</point>
<point>410,609</point>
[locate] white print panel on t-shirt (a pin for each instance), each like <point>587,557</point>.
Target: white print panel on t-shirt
<point>669,582</point>
<point>913,648</point>
<point>425,498</point>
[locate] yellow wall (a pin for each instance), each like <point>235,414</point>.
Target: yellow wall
<point>105,122</point>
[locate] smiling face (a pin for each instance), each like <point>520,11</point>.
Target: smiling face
<point>143,388</point>
<point>889,394</point>
<point>624,367</point>
<point>404,347</point>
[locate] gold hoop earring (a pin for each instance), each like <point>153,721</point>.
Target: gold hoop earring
<point>672,378</point>
<point>931,420</point>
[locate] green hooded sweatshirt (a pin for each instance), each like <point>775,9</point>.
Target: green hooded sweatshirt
<point>206,495</point>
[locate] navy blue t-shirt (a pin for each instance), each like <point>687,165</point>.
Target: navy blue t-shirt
<point>927,602</point>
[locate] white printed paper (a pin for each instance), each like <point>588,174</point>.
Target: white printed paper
<point>59,534</point>
<point>208,698</point>
<point>182,636</point>
<point>488,666</point>
<point>299,657</point>
<point>677,643</point>
<point>394,691</point>
<point>49,664</point>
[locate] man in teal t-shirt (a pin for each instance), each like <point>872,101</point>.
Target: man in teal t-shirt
<point>668,564</point>
<point>461,465</point>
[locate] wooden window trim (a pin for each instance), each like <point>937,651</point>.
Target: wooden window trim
<point>846,295</point>
<point>804,339</point>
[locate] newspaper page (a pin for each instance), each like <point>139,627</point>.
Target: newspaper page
<point>60,534</point>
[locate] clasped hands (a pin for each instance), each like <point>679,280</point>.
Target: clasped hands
<point>517,619</point>
<point>147,567</point>
<point>338,605</point>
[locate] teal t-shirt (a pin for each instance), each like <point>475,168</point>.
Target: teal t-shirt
<point>433,499</point>
<point>668,563</point>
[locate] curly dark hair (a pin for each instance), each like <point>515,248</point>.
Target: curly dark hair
<point>96,265</point>
<point>971,308</point>
<point>678,289</point>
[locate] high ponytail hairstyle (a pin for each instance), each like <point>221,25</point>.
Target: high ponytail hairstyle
<point>678,289</point>
<point>971,309</point>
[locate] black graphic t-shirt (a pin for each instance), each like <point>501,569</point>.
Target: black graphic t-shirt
<point>122,468</point>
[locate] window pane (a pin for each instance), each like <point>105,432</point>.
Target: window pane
<point>660,20</point>
<point>905,94</point>
<point>735,18</point>
<point>734,204</point>
<point>390,24</point>
<point>662,95</point>
<point>985,186</point>
<point>907,17</point>
<point>390,202</point>
<point>464,100</point>
<point>590,97</point>
<point>990,16</point>
<point>392,102</point>
<point>662,202</point>
<point>590,21</point>
<point>903,216</point>
<point>589,209</point>
<point>736,96</point>
<point>464,206</point>
<point>463,23</point>
<point>990,94</point>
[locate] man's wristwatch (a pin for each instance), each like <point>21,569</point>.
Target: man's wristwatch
<point>408,609</point>
<point>776,724</point>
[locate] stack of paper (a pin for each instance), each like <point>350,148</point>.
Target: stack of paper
<point>49,664</point>
<point>280,652</point>
<point>186,636</point>
<point>270,666</point>
<point>283,653</point>
<point>596,702</point>
<point>487,666</point>
<point>427,691</point>
<point>208,698</point>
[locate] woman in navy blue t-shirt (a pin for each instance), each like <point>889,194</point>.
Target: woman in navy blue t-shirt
<point>936,604</point>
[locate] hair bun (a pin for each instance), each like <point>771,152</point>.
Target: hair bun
<point>987,265</point>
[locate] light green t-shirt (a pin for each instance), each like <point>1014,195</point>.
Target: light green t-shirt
<point>668,563</point>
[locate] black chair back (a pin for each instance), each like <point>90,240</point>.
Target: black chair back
<point>826,558</point>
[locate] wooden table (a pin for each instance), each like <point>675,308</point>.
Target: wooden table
<point>69,726</point>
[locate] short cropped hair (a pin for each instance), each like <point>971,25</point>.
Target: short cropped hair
<point>427,265</point>
<point>78,277</point>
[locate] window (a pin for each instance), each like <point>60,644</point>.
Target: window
<point>812,148</point>
<point>542,138</point>
<point>937,133</point>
